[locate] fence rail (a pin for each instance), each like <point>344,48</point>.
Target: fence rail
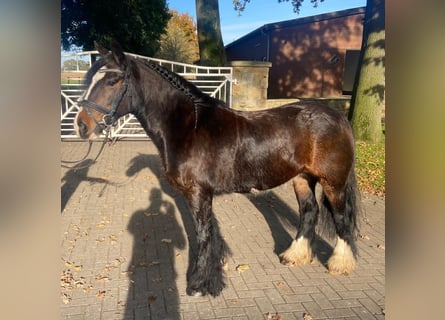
<point>215,81</point>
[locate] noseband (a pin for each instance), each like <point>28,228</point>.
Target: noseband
<point>109,118</point>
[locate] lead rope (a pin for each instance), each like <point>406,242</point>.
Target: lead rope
<point>106,139</point>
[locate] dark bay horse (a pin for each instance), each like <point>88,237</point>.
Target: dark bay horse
<point>208,149</point>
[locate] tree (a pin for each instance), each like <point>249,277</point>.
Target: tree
<point>136,24</point>
<point>211,46</point>
<point>240,5</point>
<point>180,42</point>
<point>74,65</point>
<point>368,97</point>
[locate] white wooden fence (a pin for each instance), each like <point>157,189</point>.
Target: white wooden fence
<point>215,81</point>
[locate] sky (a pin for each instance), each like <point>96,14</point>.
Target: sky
<point>261,12</point>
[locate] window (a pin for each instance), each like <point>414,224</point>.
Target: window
<point>351,64</point>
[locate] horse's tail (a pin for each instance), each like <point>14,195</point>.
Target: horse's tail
<point>352,212</point>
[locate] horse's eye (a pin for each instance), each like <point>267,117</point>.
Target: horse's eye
<point>112,82</point>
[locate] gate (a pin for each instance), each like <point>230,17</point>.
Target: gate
<point>215,81</point>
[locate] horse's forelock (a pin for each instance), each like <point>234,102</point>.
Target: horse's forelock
<point>93,70</point>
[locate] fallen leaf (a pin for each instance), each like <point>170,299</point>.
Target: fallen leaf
<point>66,298</point>
<point>152,299</point>
<point>271,316</point>
<point>78,268</point>
<point>101,294</point>
<point>166,240</point>
<point>224,264</point>
<point>102,278</point>
<point>149,263</point>
<point>100,239</point>
<point>242,267</point>
<point>146,236</point>
<point>307,316</point>
<point>118,261</point>
<point>381,246</point>
<point>88,288</point>
<point>79,283</point>
<point>363,236</point>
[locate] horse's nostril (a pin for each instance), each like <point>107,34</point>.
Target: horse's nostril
<point>83,129</point>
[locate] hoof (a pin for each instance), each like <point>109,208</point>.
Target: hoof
<point>202,291</point>
<point>340,265</point>
<point>342,260</point>
<point>298,253</point>
<point>194,293</point>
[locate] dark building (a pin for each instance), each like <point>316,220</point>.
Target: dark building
<point>313,56</point>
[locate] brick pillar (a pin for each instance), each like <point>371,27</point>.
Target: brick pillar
<point>250,90</point>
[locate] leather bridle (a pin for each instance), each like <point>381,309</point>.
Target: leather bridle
<point>109,118</point>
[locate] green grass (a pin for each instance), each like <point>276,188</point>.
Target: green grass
<point>370,167</point>
<point>70,81</point>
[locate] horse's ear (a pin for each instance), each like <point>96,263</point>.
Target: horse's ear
<point>101,49</point>
<point>118,53</point>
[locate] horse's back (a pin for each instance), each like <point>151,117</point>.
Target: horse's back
<point>263,149</point>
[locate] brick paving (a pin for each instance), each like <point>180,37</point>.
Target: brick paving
<point>124,249</point>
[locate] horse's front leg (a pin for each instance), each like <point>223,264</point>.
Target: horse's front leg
<point>205,273</point>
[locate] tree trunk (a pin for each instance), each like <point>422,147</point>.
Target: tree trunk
<point>368,99</point>
<point>211,46</point>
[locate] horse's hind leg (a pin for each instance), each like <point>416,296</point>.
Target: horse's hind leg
<point>300,252</point>
<point>343,213</point>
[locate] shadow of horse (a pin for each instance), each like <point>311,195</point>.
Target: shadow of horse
<point>276,212</point>
<point>279,214</point>
<point>73,178</point>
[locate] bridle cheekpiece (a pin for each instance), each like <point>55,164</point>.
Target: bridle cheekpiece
<point>109,118</point>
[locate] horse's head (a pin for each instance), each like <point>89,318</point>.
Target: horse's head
<point>105,99</point>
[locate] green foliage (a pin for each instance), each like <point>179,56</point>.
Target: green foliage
<point>136,24</point>
<point>179,43</point>
<point>74,65</point>
<point>240,5</point>
<point>370,167</point>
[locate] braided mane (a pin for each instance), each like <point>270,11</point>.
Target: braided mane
<point>189,89</point>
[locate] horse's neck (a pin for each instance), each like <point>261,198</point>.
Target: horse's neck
<point>167,115</point>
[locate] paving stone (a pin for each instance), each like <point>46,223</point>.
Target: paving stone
<point>116,214</point>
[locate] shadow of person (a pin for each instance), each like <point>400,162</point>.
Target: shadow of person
<point>156,235</point>
<point>278,214</point>
<point>153,163</point>
<point>74,177</point>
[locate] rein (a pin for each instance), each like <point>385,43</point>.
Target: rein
<point>108,121</point>
<point>90,143</point>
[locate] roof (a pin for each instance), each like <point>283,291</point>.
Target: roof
<point>298,21</point>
